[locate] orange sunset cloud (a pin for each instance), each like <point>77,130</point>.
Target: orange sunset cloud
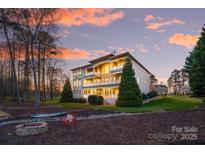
<point>155,23</point>
<point>100,52</point>
<point>149,17</point>
<point>97,17</point>
<point>67,53</point>
<point>186,40</point>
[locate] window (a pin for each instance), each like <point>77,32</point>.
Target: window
<point>86,92</point>
<point>138,80</point>
<point>107,69</point>
<point>115,91</point>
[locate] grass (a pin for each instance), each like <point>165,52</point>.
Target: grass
<point>170,103</point>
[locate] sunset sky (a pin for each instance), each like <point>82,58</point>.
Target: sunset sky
<point>159,38</point>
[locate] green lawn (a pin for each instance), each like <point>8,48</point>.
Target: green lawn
<point>170,103</point>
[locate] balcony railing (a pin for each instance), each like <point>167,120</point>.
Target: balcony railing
<point>77,76</point>
<point>113,69</point>
<point>105,96</point>
<point>89,74</point>
<point>116,68</point>
<point>101,83</point>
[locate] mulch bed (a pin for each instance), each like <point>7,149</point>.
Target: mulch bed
<point>116,130</point>
<point>24,110</point>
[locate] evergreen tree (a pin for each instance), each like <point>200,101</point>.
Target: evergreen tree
<point>188,63</point>
<point>67,93</point>
<point>195,66</point>
<point>129,92</point>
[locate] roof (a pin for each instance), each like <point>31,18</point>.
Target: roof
<point>100,59</point>
<point>94,61</point>
<point>87,65</point>
<point>111,56</point>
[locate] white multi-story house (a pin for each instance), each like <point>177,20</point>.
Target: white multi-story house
<point>102,77</point>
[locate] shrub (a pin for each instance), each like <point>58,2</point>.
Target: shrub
<point>101,99</point>
<point>152,94</point>
<point>67,92</point>
<point>92,99</point>
<point>82,100</point>
<point>203,100</point>
<point>95,100</point>
<point>79,100</point>
<point>144,96</point>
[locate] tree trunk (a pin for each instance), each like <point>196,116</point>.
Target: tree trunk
<point>39,70</point>
<point>43,76</point>
<point>12,59</point>
<point>37,94</point>
<point>2,76</point>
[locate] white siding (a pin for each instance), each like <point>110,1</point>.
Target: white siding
<point>142,77</point>
<point>77,90</point>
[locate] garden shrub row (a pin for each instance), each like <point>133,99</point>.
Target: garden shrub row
<point>95,100</point>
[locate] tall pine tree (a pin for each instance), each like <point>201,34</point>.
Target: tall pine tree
<point>195,66</point>
<point>129,92</point>
<point>67,93</point>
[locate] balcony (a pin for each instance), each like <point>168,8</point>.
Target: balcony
<point>89,74</point>
<point>77,75</point>
<point>116,69</point>
<point>97,73</point>
<point>117,82</point>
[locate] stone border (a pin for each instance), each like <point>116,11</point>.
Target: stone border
<point>32,128</point>
<point>4,115</point>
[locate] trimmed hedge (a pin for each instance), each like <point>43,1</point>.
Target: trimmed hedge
<point>95,100</point>
<point>75,100</point>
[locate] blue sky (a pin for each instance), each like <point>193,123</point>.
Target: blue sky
<point>159,38</point>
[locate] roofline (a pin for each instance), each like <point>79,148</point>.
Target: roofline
<point>84,66</point>
<point>113,57</point>
<point>128,54</point>
<point>161,85</point>
<point>92,62</point>
<point>139,63</point>
<point>101,58</point>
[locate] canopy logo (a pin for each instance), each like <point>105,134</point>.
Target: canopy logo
<point>180,133</point>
